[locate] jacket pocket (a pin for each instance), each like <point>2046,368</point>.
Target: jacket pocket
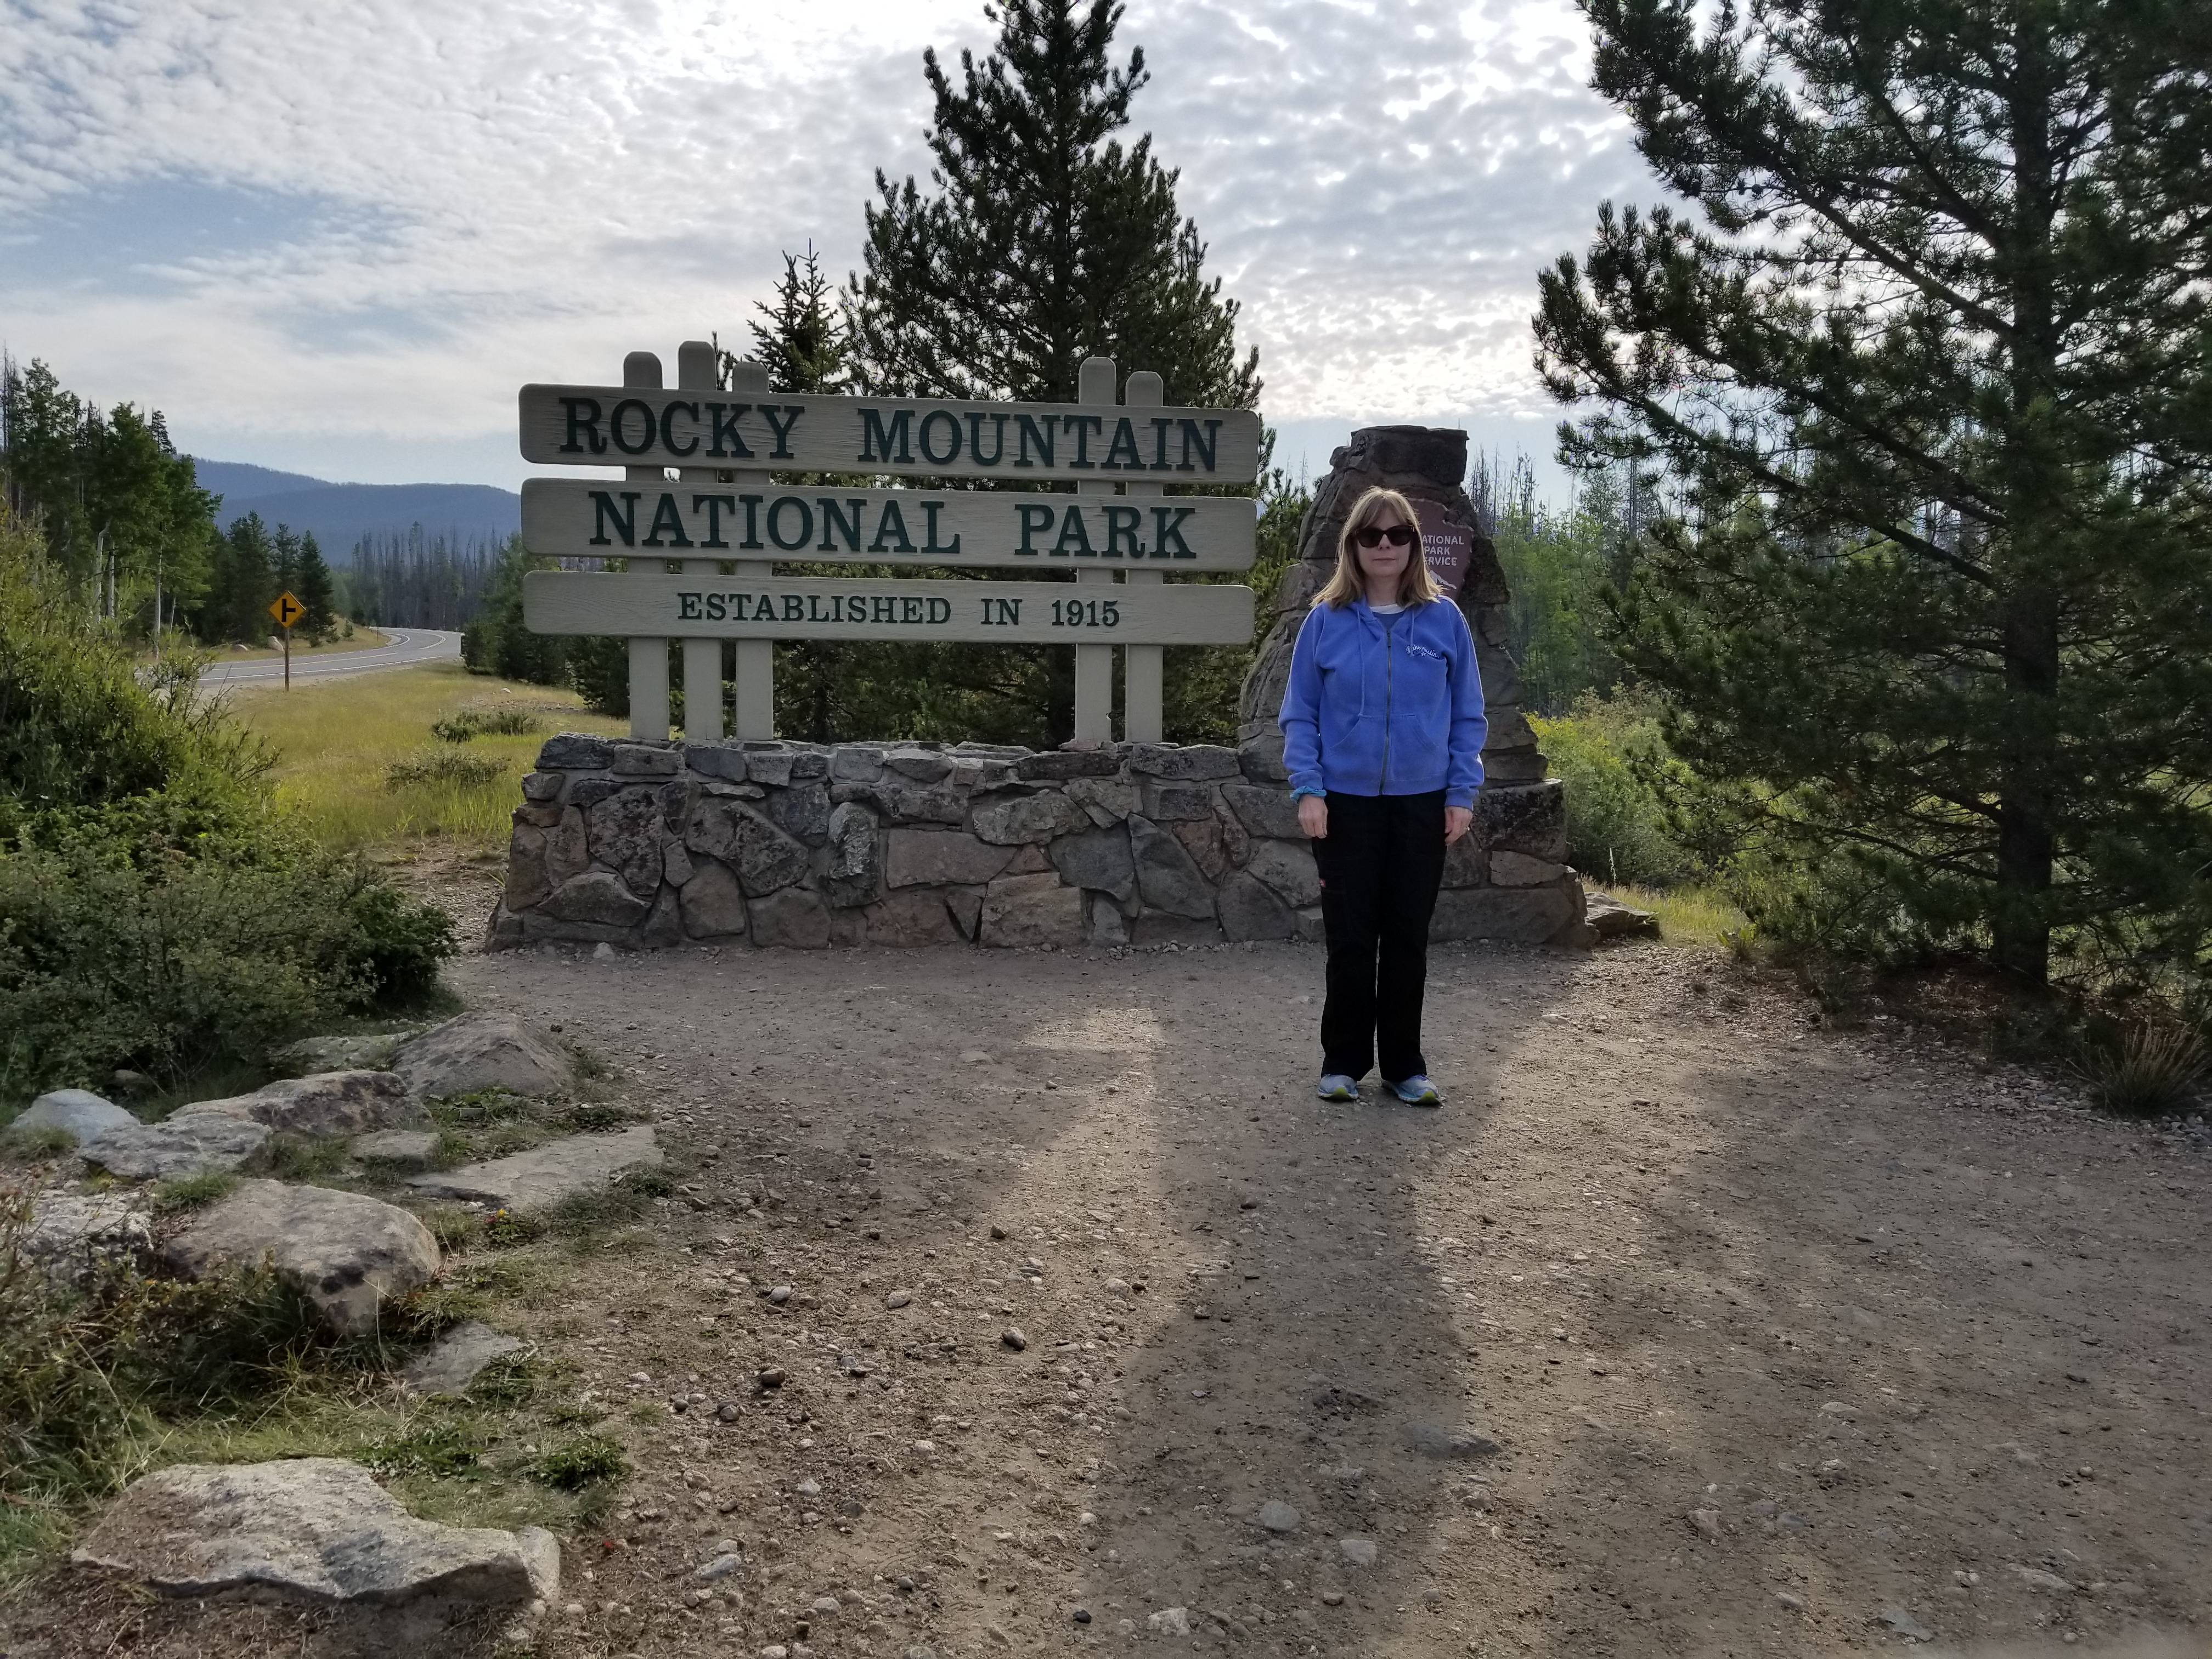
<point>1421,723</point>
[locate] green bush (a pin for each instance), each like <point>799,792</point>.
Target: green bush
<point>160,913</point>
<point>478,722</point>
<point>1609,753</point>
<point>583,1461</point>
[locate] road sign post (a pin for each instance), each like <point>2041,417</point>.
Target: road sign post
<point>286,611</point>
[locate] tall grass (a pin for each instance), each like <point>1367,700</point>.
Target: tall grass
<point>351,761</point>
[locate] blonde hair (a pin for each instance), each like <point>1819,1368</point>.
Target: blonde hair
<point>1347,583</point>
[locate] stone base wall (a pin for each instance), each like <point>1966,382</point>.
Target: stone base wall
<point>648,845</point>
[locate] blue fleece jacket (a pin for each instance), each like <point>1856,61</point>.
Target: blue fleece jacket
<point>1384,705</point>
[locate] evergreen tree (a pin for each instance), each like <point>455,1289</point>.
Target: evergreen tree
<point>800,339</point>
<point>241,585</point>
<point>496,642</point>
<point>1929,366</point>
<point>1048,242</point>
<point>311,584</point>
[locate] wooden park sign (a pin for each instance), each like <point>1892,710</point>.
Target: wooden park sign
<point>702,546</point>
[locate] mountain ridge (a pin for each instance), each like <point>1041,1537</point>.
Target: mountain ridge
<point>340,514</point>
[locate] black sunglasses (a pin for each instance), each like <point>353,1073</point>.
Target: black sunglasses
<point>1398,535</point>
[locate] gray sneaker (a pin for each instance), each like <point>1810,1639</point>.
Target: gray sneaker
<point>1335,1086</point>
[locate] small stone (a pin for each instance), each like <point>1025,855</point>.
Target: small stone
<point>721,1567</point>
<point>824,1604</point>
<point>1360,1552</point>
<point>1012,1337</point>
<point>728,1411</point>
<point>770,1378</point>
<point>1794,1602</point>
<point>1906,1626</point>
<point>997,1231</point>
<point>899,1298</point>
<point>1433,1440</point>
<point>1082,1615</point>
<point>1033,1266</point>
<point>1707,1525</point>
<point>1276,1516</point>
<point>1170,1621</point>
<point>779,1296</point>
<point>924,1446</point>
<point>809,1487</point>
<point>1332,1598</point>
<point>2049,1583</point>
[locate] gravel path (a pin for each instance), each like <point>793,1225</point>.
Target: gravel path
<point>1777,1333</point>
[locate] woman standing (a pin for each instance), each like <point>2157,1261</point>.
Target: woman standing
<point>1382,734</point>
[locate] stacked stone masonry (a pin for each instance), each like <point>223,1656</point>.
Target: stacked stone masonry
<point>648,846</point>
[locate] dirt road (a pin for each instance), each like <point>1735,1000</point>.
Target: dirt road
<point>1686,1327</point>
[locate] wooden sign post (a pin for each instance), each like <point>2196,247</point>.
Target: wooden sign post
<point>703,520</point>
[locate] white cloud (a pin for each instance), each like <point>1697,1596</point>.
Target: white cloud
<point>335,237</point>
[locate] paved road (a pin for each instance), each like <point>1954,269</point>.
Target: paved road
<point>409,646</point>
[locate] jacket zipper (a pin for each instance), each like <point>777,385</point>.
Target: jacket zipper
<point>1389,636</point>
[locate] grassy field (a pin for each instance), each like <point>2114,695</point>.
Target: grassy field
<point>1687,915</point>
<point>358,761</point>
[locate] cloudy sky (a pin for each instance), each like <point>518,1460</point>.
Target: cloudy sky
<point>333,236</point>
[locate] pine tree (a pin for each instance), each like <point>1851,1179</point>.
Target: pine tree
<point>241,585</point>
<point>1928,366</point>
<point>801,338</point>
<point>1047,242</point>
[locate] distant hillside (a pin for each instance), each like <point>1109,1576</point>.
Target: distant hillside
<point>340,514</point>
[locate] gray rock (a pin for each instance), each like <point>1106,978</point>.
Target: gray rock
<point>853,870</point>
<point>1013,1338</point>
<point>722,1567</point>
<point>912,916</point>
<point>1176,803</point>
<point>1035,818</point>
<point>326,1104</point>
<point>1906,1624</point>
<point>712,904</point>
<point>1107,925</point>
<point>794,918</point>
<point>856,763</point>
<point>921,765</point>
<point>1108,801</point>
<point>1513,915</point>
<point>74,1238</point>
<point>1156,928</point>
<point>903,801</point>
<point>316,1529</point>
<point>459,1355</point>
<point>1264,811</point>
<point>1360,1552</point>
<point>1169,1621</point>
<point>766,859</point>
<point>1167,877</point>
<point>346,1252</point>
<point>1287,867</point>
<point>77,1113</point>
<point>966,905</point>
<point>1312,928</point>
<point>404,1148</point>
<point>1182,762</point>
<point>639,760</point>
<point>1030,910</point>
<point>677,867</point>
<point>1276,1516</point>
<point>1434,1440</point>
<point>1467,862</point>
<point>1098,860</point>
<point>1260,756</point>
<point>597,895</point>
<point>716,760</point>
<point>625,838</point>
<point>482,1051</point>
<point>917,858</point>
<point>542,787</point>
<point>1508,869</point>
<point>803,811</point>
<point>571,751</point>
<point>769,763</point>
<point>1611,919</point>
<point>371,1051</point>
<point>1530,818</point>
<point>543,1176</point>
<point>1250,910</point>
<point>207,1144</point>
<point>1061,765</point>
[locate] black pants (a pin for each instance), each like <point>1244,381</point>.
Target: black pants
<point>1380,864</point>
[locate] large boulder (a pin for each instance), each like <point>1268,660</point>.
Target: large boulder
<point>77,1113</point>
<point>764,856</point>
<point>207,1143</point>
<point>625,836</point>
<point>316,1529</point>
<point>367,1051</point>
<point>1098,860</point>
<point>326,1104</point>
<point>1511,916</point>
<point>598,896</point>
<point>542,1177</point>
<point>348,1252</point>
<point>75,1237</point>
<point>481,1051</point>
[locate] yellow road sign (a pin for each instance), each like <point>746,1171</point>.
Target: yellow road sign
<point>287,610</point>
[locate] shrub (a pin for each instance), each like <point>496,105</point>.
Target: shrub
<point>447,766</point>
<point>584,1460</point>
<point>2154,1066</point>
<point>1607,751</point>
<point>478,722</point>
<point>157,911</point>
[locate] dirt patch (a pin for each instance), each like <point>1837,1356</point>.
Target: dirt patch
<point>1686,1327</point>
